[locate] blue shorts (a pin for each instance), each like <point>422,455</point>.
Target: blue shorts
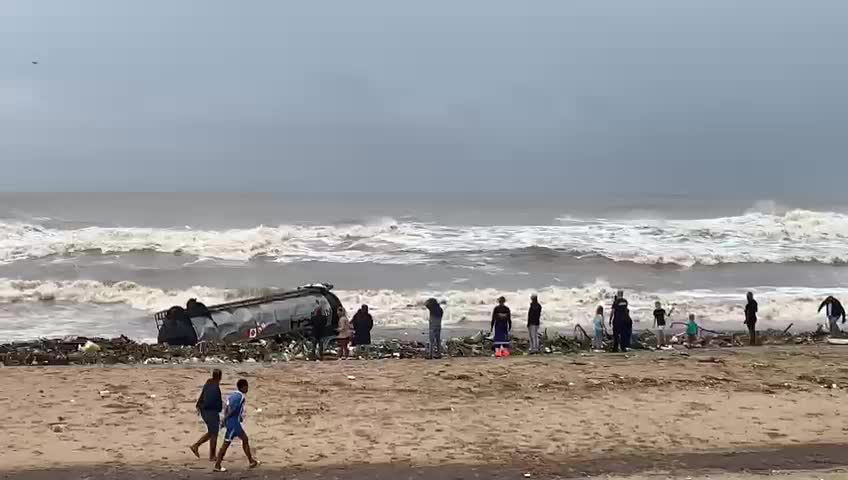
<point>212,420</point>
<point>234,429</point>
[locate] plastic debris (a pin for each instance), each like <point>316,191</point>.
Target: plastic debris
<point>90,347</point>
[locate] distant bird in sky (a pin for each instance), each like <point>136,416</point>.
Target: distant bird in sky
<point>34,62</point>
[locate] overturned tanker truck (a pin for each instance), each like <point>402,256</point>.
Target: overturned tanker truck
<point>286,314</point>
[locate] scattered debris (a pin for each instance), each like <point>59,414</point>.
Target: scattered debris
<point>122,350</point>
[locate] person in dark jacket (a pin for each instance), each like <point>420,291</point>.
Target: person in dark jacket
<point>197,309</point>
<point>751,309</point>
<point>622,324</point>
<point>209,406</point>
<point>534,319</point>
<point>362,325</point>
<point>435,324</point>
<point>501,324</point>
<point>177,328</point>
<point>834,311</point>
<point>317,328</point>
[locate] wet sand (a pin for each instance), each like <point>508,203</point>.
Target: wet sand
<point>716,412</point>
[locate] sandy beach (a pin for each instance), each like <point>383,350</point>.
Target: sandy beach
<point>726,413</point>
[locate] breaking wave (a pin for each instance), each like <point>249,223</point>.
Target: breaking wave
<point>767,234</point>
<point>563,306</point>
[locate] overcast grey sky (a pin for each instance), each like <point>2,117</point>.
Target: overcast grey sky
<point>439,95</point>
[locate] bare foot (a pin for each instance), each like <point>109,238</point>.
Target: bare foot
<point>194,449</point>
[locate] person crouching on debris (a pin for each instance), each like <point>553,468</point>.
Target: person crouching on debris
<point>835,311</point>
<point>692,331</point>
<point>345,332</point>
<point>209,406</point>
<point>501,325</point>
<point>598,326</point>
<point>434,349</point>
<point>363,322</point>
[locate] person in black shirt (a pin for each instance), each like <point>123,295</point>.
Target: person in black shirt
<point>659,323</point>
<point>177,328</point>
<point>501,324</point>
<point>534,317</point>
<point>622,325</point>
<point>751,318</point>
<point>209,406</point>
<point>434,348</point>
<point>362,322</point>
<point>834,311</point>
<point>317,326</point>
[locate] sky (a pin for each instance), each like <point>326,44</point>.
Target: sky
<point>547,96</point>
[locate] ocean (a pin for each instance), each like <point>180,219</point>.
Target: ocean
<point>102,264</point>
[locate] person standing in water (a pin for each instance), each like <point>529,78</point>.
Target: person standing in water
<point>621,323</point>
<point>834,311</point>
<point>751,309</point>
<point>534,320</point>
<point>501,324</point>
<point>435,324</point>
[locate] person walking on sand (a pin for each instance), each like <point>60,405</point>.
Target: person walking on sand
<point>209,406</point>
<point>598,325</point>
<point>434,349</point>
<point>534,320</point>
<point>233,418</point>
<point>659,323</point>
<point>751,309</point>
<point>501,325</point>
<point>622,325</point>
<point>363,322</point>
<point>834,311</point>
<point>345,331</point>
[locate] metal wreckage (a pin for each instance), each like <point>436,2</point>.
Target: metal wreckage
<point>285,314</point>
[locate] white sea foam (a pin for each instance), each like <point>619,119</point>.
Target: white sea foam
<point>95,304</point>
<point>757,236</point>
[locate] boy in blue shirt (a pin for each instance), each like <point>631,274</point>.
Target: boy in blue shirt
<point>233,418</point>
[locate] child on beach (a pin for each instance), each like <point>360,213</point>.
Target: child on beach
<point>659,323</point>
<point>209,407</point>
<point>692,330</point>
<point>233,418</point>
<point>598,324</point>
<point>345,332</point>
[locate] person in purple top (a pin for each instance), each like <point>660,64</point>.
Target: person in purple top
<point>233,418</point>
